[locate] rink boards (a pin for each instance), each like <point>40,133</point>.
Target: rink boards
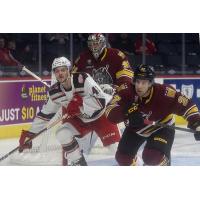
<point>21,99</point>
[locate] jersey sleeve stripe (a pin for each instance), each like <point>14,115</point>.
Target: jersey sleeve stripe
<point>57,97</point>
<point>45,117</point>
<point>124,72</point>
<point>190,111</point>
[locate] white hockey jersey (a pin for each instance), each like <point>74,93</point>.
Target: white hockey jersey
<point>94,101</point>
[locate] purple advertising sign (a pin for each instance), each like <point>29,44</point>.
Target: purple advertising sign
<point>20,101</point>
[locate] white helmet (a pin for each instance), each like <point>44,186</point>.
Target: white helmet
<point>61,61</point>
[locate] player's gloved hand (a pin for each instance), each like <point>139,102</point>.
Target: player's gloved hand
<point>108,89</point>
<point>196,127</point>
<point>25,135</point>
<point>74,105</point>
<point>135,117</point>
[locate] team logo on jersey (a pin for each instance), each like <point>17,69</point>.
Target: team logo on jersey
<point>102,76</point>
<point>187,90</point>
<point>146,115</point>
<point>24,92</point>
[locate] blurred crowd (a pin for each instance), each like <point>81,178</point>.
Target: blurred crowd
<point>165,51</point>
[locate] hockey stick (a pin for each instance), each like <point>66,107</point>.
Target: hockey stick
<point>168,126</point>
<point>91,142</point>
<point>24,68</point>
<point>36,135</point>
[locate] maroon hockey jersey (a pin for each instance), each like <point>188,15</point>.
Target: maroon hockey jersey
<point>160,106</point>
<point>112,67</point>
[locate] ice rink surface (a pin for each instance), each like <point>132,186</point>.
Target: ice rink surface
<point>185,152</point>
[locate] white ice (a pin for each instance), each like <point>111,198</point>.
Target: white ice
<point>185,152</point>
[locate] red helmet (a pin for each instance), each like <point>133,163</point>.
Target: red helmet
<point>96,44</point>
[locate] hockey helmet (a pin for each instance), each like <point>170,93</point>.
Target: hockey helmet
<point>96,44</point>
<point>61,61</point>
<point>145,72</point>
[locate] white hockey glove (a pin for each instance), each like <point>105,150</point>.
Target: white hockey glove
<point>108,89</point>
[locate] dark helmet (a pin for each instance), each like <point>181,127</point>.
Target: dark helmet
<point>145,72</point>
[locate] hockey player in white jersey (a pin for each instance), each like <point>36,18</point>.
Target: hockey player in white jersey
<point>84,102</point>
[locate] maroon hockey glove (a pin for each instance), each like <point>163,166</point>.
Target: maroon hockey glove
<point>136,120</point>
<point>74,105</point>
<point>23,138</point>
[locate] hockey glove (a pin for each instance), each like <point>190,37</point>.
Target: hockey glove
<point>23,138</point>
<point>196,127</point>
<point>74,105</point>
<point>135,117</point>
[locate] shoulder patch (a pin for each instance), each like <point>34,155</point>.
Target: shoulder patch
<point>55,88</point>
<point>79,79</point>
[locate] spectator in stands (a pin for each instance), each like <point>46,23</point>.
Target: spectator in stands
<point>148,49</point>
<point>122,41</point>
<point>12,47</point>
<point>59,38</point>
<point>6,58</point>
<point>79,43</point>
<point>30,53</point>
<point>54,45</point>
<point>27,49</point>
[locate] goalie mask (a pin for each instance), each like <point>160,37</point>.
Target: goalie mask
<point>96,44</point>
<point>144,72</point>
<point>61,61</point>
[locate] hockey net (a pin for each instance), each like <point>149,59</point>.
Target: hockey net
<point>46,150</point>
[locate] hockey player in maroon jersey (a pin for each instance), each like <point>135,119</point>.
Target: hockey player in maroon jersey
<point>150,101</point>
<point>108,67</point>
<point>83,101</point>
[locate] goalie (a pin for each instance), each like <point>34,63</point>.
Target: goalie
<point>84,102</point>
<point>109,67</point>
